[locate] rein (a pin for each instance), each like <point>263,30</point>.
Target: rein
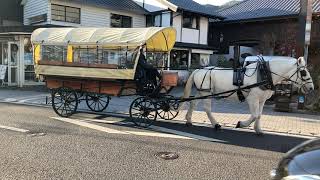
<point>304,81</point>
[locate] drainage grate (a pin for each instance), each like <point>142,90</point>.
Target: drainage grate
<point>167,155</point>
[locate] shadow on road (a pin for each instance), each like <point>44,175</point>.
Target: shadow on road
<point>269,142</point>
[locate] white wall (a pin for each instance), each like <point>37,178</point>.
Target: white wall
<point>90,15</point>
<point>204,25</point>
<point>34,8</point>
<point>190,36</point>
<point>176,23</point>
<point>96,16</point>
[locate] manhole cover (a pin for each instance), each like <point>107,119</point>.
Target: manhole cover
<point>167,155</point>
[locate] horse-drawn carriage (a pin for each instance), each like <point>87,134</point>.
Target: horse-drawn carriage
<point>92,64</point>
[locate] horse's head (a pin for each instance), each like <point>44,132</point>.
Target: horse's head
<point>303,77</point>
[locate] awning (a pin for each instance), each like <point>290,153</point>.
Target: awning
<point>156,38</point>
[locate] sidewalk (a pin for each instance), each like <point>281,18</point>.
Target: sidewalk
<point>227,112</point>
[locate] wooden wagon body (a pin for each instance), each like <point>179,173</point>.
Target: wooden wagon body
<point>97,63</point>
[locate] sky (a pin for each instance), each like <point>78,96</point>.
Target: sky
<point>213,2</point>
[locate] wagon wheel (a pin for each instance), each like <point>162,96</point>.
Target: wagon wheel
<point>97,102</point>
<point>64,101</point>
<point>168,109</point>
<point>143,112</point>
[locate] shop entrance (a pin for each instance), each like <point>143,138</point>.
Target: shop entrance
<point>9,58</point>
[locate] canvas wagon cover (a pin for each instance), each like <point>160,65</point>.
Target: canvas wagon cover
<point>156,38</point>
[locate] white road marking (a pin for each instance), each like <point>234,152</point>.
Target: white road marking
<point>162,129</point>
<point>9,99</point>
<point>88,125</point>
<point>32,98</point>
<point>181,133</point>
<point>14,129</point>
<point>109,130</point>
<point>156,134</point>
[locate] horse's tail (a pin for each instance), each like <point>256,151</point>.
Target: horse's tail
<point>188,88</point>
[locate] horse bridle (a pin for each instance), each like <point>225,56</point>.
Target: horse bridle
<point>302,72</point>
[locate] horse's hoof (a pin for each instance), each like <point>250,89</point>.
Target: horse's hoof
<point>189,124</point>
<point>217,127</point>
<point>260,134</point>
<point>238,125</point>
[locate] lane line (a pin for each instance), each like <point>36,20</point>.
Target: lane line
<point>14,129</point>
<point>162,129</point>
<point>88,125</point>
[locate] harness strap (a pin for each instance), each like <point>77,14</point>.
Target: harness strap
<point>218,94</point>
<point>205,75</point>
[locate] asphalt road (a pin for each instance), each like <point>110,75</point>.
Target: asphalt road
<point>37,144</point>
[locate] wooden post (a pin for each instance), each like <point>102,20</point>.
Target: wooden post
<point>236,52</point>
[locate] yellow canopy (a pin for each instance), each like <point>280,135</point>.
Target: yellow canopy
<point>156,38</point>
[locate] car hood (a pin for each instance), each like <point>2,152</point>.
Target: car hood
<point>305,163</point>
<point>304,159</point>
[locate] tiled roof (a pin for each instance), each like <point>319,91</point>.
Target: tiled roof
<point>124,5</point>
<point>192,6</point>
<point>254,9</point>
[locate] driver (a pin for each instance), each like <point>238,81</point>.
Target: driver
<point>151,72</point>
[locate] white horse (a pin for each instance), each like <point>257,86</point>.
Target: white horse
<point>217,80</point>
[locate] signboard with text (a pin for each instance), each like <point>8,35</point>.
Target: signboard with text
<point>3,70</point>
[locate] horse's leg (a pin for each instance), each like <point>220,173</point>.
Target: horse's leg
<point>257,126</point>
<point>254,110</point>
<point>207,108</point>
<point>193,104</point>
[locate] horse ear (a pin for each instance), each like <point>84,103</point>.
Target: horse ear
<point>301,61</point>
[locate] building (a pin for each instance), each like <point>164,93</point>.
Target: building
<point>20,17</point>
<point>269,27</point>
<point>191,20</point>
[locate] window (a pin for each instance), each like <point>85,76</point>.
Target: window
<point>121,21</point>
<point>65,13</point>
<point>179,59</point>
<point>121,58</point>
<point>54,53</point>
<point>166,20</point>
<point>195,60</point>
<point>29,74</point>
<point>157,21</point>
<point>150,20</point>
<point>190,21</point>
<point>157,59</point>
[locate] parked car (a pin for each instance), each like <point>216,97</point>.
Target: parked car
<point>300,163</point>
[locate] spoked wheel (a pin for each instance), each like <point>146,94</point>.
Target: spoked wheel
<point>168,109</point>
<point>143,112</point>
<point>64,101</point>
<point>97,102</point>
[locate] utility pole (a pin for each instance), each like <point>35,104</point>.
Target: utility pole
<point>305,20</point>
